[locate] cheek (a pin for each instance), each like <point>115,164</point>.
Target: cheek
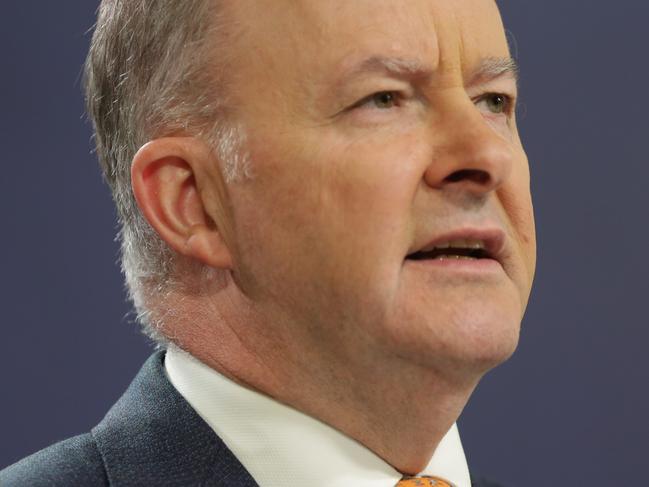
<point>527,228</point>
<point>516,201</point>
<point>336,214</point>
<point>369,196</point>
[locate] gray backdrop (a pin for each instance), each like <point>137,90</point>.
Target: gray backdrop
<point>569,408</point>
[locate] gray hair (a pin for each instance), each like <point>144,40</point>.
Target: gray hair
<point>152,71</point>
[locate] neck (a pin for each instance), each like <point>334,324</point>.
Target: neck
<point>397,409</point>
<point>401,415</point>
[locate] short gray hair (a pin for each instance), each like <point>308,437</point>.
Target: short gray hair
<point>154,70</point>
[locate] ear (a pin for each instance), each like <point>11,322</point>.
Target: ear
<point>165,181</point>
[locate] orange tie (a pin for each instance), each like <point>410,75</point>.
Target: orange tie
<point>422,482</point>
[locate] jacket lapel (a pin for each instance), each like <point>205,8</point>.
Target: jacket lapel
<point>152,436</point>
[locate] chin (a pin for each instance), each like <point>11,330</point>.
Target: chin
<point>485,334</point>
<point>467,338</point>
<point>490,350</point>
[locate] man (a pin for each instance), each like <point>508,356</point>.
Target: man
<point>326,224</point>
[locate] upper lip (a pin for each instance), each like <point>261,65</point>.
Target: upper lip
<point>492,239</point>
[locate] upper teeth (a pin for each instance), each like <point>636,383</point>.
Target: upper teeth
<point>457,244</point>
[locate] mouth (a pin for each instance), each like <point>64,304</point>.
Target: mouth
<point>465,245</point>
<point>457,249</point>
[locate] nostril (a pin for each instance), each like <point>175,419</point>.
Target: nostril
<point>473,175</point>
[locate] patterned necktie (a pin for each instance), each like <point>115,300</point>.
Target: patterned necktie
<point>422,482</point>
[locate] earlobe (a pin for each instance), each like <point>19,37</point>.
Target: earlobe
<point>164,179</point>
<point>208,246</point>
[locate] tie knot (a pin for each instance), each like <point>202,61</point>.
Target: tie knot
<point>422,482</point>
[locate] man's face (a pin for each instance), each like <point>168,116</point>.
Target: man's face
<point>374,132</point>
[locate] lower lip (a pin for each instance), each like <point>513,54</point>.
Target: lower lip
<point>468,266</point>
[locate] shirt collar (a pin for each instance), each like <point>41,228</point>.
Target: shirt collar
<point>281,446</point>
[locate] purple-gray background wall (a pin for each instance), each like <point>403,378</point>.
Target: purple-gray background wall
<point>569,408</point>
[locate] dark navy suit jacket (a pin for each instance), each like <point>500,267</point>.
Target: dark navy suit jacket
<point>150,437</point>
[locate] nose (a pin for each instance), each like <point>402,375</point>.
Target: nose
<point>469,153</point>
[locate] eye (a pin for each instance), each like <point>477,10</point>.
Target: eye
<point>496,103</point>
<point>382,100</point>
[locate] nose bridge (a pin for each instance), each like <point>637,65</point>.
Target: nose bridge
<point>468,153</point>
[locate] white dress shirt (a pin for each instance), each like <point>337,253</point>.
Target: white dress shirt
<point>283,447</point>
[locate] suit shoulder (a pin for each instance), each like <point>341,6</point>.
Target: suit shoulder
<point>75,461</point>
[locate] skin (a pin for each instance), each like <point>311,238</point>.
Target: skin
<point>316,304</point>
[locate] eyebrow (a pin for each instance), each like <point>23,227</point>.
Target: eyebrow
<point>494,67</point>
<point>393,66</point>
<point>489,69</point>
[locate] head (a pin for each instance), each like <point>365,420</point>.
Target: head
<point>375,130</point>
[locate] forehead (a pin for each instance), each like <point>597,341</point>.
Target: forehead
<point>321,35</point>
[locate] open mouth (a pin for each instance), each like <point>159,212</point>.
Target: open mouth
<point>456,249</point>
